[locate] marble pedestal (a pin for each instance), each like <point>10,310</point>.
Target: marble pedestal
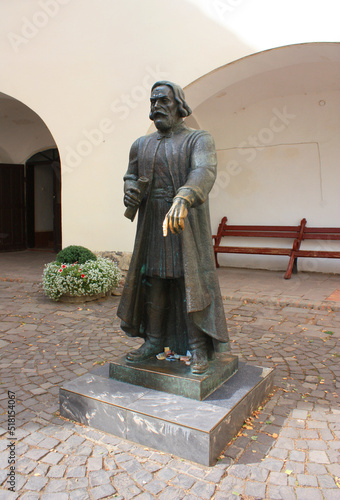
<point>190,429</point>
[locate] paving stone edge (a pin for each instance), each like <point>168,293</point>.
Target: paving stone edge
<point>277,301</point>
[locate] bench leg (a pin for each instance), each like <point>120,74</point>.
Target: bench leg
<point>216,262</point>
<point>290,267</point>
<point>295,268</point>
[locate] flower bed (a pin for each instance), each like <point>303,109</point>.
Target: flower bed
<point>94,277</point>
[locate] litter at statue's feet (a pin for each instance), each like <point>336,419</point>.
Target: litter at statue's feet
<point>169,355</point>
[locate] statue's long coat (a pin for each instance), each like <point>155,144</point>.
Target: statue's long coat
<point>191,158</point>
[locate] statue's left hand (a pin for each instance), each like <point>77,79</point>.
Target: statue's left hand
<point>174,219</point>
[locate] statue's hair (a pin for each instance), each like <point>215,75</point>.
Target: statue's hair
<point>183,108</point>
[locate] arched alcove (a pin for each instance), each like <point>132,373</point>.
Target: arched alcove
<point>274,116</point>
<point>29,179</point>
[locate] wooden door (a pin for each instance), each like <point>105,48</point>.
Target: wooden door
<point>49,159</point>
<point>30,230</point>
<point>12,208</point>
<point>57,205</point>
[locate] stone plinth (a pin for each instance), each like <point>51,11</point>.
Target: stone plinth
<point>190,429</point>
<point>175,377</point>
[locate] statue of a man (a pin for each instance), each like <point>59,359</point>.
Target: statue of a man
<point>171,296</point>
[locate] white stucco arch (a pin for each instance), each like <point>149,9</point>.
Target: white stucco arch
<point>23,132</point>
<point>317,55</point>
<point>275,119</point>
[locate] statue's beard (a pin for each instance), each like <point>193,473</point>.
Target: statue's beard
<point>162,120</point>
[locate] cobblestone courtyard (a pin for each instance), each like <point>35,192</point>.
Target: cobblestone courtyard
<point>288,450</point>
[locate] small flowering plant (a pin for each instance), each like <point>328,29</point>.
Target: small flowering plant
<point>89,278</point>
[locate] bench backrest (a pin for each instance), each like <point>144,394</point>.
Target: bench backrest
<point>259,231</point>
<point>321,233</point>
<point>262,231</point>
<point>302,232</point>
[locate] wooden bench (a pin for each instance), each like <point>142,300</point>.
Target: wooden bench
<point>320,233</point>
<point>295,233</point>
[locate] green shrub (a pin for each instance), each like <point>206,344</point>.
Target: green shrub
<point>75,253</point>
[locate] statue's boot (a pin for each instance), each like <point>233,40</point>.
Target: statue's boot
<point>150,348</point>
<point>199,351</point>
<point>199,361</point>
<point>153,344</point>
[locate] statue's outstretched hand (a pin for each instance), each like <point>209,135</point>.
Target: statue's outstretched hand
<point>174,219</point>
<point>131,197</point>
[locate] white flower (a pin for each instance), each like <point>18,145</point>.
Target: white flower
<point>96,276</point>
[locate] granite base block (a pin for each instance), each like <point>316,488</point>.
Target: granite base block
<point>176,377</point>
<point>190,429</point>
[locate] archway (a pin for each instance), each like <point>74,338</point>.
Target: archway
<point>43,200</point>
<point>275,119</point>
<point>30,193</point>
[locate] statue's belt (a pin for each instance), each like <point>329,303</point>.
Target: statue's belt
<point>167,193</point>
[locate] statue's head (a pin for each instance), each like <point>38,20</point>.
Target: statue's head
<point>168,105</point>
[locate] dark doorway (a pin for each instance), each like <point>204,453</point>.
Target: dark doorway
<point>12,208</point>
<point>43,200</point>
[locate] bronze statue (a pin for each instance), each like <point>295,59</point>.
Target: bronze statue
<point>171,296</point>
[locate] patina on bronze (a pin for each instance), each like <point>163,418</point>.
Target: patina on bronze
<point>171,295</point>
<point>142,185</point>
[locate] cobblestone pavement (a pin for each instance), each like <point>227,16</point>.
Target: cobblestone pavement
<point>288,450</point>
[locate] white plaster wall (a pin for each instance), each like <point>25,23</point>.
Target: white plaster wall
<point>85,68</point>
<point>292,174</point>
